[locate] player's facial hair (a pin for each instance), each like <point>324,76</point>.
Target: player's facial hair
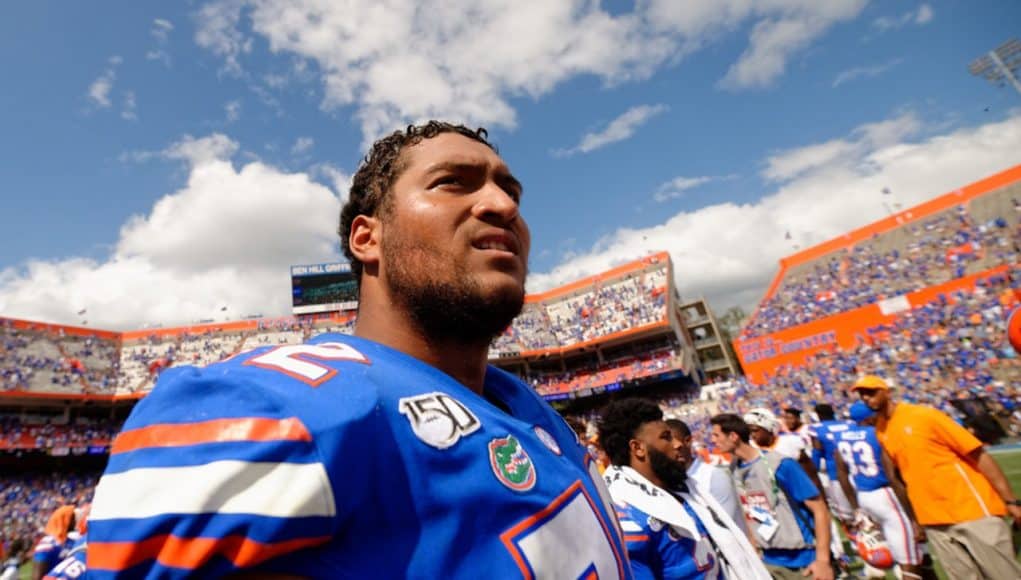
<point>454,309</point>
<point>670,471</point>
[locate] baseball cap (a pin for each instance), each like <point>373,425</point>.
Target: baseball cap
<point>859,411</point>
<point>870,382</point>
<point>763,418</point>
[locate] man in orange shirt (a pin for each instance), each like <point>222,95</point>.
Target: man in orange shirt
<point>957,490</point>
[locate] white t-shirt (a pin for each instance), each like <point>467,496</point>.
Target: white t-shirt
<point>716,482</point>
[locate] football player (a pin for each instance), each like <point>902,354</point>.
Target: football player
<point>397,452</point>
<point>673,528</point>
<point>882,498</point>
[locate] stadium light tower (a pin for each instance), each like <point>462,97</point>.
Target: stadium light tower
<point>1000,65</point>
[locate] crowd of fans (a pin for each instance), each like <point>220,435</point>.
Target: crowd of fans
<point>43,359</point>
<point>598,375</point>
<point>28,500</point>
<point>606,308</point>
<point>42,434</point>
<point>952,244</point>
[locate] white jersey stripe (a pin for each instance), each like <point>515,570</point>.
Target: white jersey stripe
<point>226,487</point>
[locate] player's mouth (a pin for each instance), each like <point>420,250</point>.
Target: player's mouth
<point>501,243</point>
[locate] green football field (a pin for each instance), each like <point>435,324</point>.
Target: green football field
<point>1009,460</point>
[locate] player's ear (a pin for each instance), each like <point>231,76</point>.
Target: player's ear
<point>637,449</point>
<point>365,240</point>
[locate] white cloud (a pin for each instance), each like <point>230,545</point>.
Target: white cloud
<point>923,15</point>
<point>730,252</point>
<point>217,30</point>
<point>129,111</point>
<point>677,186</point>
<point>400,61</point>
<point>161,29</point>
<point>160,32</point>
<point>864,72</point>
<point>774,40</point>
<point>233,110</point>
<point>302,145</point>
<point>619,129</point>
<point>226,237</point>
<point>100,89</point>
<point>194,152</point>
<point>794,163</point>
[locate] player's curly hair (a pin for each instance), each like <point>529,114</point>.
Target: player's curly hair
<point>381,168</point>
<point>620,421</point>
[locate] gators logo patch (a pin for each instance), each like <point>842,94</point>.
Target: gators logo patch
<point>511,464</point>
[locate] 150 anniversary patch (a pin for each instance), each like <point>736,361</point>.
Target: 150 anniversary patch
<point>439,419</point>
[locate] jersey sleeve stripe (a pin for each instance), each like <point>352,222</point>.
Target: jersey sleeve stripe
<point>216,525</point>
<point>258,488</point>
<point>195,455</point>
<point>191,553</point>
<point>215,431</point>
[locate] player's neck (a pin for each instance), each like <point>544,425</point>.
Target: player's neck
<point>391,326</point>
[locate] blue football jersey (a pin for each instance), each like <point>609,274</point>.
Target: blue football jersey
<point>657,551</point>
<point>860,449</point>
<point>343,458</point>
<point>71,567</point>
<point>826,432</point>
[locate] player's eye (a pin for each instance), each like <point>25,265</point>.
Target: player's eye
<point>450,180</point>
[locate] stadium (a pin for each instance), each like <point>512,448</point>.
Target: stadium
<point>920,297</point>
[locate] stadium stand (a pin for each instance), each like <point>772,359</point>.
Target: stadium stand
<point>918,250</point>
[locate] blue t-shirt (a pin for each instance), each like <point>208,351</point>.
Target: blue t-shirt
<point>860,449</point>
<point>793,480</point>
<point>657,551</point>
<point>343,458</point>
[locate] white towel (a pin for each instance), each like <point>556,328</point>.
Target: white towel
<point>738,559</point>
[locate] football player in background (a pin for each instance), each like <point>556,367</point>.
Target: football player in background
<point>711,479</point>
<point>792,421</point>
<point>395,452</point>
<point>58,538</point>
<point>825,442</point>
<point>877,492</point>
<point>672,527</point>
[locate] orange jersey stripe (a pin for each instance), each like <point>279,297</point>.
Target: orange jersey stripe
<point>191,553</point>
<point>215,431</point>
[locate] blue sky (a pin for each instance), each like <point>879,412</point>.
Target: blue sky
<point>160,161</point>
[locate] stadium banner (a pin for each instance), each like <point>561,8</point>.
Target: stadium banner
<point>764,355</point>
<point>323,288</point>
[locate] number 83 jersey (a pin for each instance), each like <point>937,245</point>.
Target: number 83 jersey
<point>343,458</point>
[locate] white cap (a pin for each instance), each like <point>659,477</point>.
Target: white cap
<point>763,418</point>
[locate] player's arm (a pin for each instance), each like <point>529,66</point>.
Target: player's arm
<point>970,448</point>
<point>798,487</point>
<point>985,463</point>
<point>212,475</point>
<point>808,465</point>
<point>822,568</point>
<point>845,481</point>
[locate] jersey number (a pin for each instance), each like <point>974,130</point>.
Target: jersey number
<point>566,539</point>
<point>292,360</point>
<point>859,457</point>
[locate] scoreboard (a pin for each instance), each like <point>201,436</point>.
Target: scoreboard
<point>323,288</point>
